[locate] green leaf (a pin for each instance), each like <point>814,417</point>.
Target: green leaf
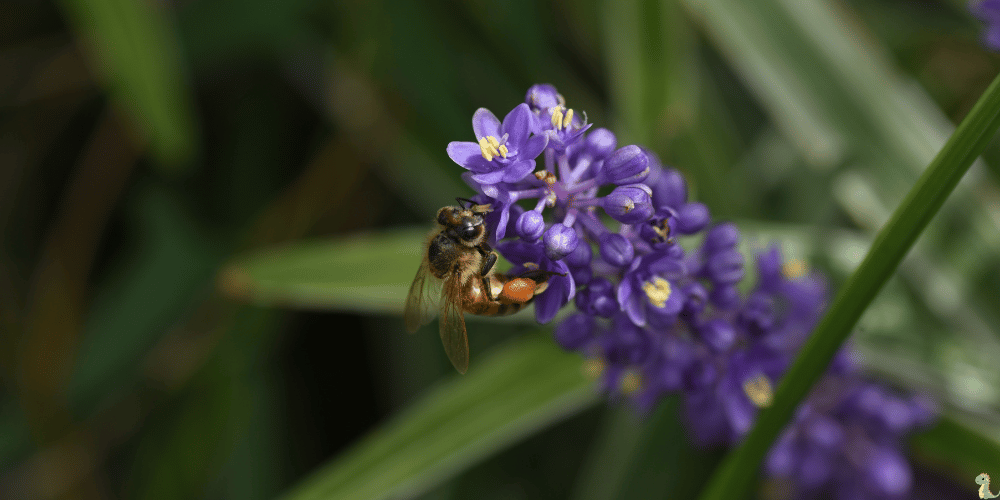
<point>136,52</point>
<point>524,387</point>
<point>367,273</point>
<point>958,448</point>
<point>734,478</point>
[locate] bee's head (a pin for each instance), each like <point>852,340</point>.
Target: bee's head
<point>464,224</point>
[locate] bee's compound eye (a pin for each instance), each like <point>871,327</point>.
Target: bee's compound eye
<point>468,232</point>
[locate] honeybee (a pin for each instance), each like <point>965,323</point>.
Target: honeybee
<point>457,273</point>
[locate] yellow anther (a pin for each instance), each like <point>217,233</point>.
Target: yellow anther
<point>630,382</point>
<point>658,291</point>
<point>557,117</point>
<point>629,205</point>
<point>793,269</point>
<point>593,368</point>
<point>540,175</point>
<point>530,266</point>
<point>568,118</point>
<point>491,147</point>
<point>484,146</point>
<point>758,389</point>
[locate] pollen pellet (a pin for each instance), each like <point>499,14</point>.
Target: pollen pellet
<point>758,389</point>
<point>518,290</point>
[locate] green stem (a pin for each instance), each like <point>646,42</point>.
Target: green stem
<point>734,478</point>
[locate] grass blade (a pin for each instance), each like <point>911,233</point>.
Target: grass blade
<point>523,388</point>
<point>136,52</point>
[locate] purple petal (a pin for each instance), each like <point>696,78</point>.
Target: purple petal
<point>517,171</point>
<point>739,410</point>
<point>519,252</point>
<point>468,155</point>
<point>517,125</point>
<point>489,177</point>
<point>485,123</point>
<point>534,147</point>
<point>548,303</point>
<point>631,302</point>
<point>890,472</point>
<point>675,302</point>
<point>502,223</point>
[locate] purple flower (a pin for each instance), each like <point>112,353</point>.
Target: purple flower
<point>661,300</point>
<point>504,152</point>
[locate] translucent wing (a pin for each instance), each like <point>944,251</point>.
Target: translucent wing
<point>421,302</point>
<point>453,334</point>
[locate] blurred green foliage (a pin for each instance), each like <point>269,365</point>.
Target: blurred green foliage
<point>211,211</point>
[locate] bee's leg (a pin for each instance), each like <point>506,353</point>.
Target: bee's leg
<point>488,263</point>
<point>488,286</point>
<point>539,275</point>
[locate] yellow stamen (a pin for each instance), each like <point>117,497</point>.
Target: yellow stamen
<point>593,368</point>
<point>484,146</point>
<point>630,382</point>
<point>568,118</point>
<point>658,291</point>
<point>557,118</point>
<point>493,141</point>
<point>503,150</point>
<point>793,269</point>
<point>629,205</point>
<point>758,389</point>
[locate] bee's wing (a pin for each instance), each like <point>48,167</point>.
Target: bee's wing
<point>453,334</point>
<point>422,300</point>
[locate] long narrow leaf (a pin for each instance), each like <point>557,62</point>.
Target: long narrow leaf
<point>525,387</point>
<point>136,52</point>
<point>735,476</point>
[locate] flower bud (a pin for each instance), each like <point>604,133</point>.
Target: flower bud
<point>600,143</point>
<point>629,204</point>
<point>692,217</point>
<point>725,267</point>
<point>719,334</point>
<point>616,250</point>
<point>721,237</point>
<point>575,331</point>
<point>598,298</point>
<point>530,225</point>
<point>695,298</point>
<point>543,96</point>
<point>579,257</point>
<point>725,297</point>
<point>669,189</point>
<point>560,241</point>
<point>627,165</point>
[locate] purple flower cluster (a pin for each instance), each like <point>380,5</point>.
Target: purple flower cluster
<point>657,290</point>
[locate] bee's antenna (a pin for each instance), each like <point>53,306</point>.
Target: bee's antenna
<point>462,201</point>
